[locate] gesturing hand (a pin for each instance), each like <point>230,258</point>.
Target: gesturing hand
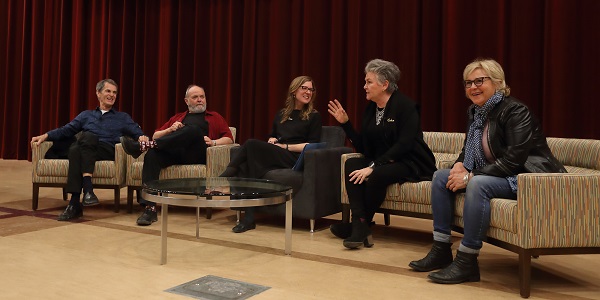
<point>337,111</point>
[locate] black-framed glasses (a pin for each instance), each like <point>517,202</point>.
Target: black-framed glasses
<point>477,81</point>
<point>305,88</point>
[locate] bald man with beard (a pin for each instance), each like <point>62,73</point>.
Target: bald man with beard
<point>181,140</point>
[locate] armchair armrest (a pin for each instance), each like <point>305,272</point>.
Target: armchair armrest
<point>345,157</point>
<point>217,159</point>
<point>321,177</point>
<point>37,153</point>
<point>557,210</point>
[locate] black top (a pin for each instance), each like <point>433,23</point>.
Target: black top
<point>295,130</point>
<point>398,138</point>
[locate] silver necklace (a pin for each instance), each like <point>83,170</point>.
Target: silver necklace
<point>379,114</point>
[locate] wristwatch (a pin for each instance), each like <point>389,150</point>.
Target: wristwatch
<point>466,179</point>
<point>372,165</point>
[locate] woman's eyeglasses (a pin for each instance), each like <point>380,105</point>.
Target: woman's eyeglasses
<point>305,88</point>
<point>477,81</point>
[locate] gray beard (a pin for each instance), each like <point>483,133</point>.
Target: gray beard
<point>196,109</point>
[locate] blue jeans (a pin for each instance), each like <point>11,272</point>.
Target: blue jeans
<point>476,214</point>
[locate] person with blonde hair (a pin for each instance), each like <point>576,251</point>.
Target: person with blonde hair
<point>294,126</point>
<point>503,140</point>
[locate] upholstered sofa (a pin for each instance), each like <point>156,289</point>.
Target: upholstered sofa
<point>553,214</point>
<point>217,159</point>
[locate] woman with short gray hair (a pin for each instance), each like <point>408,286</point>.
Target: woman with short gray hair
<point>391,141</point>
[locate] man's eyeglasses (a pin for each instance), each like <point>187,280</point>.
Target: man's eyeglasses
<point>305,88</point>
<point>477,81</point>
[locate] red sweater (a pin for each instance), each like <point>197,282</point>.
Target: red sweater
<point>217,126</point>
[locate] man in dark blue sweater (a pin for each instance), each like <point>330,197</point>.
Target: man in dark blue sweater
<point>100,130</point>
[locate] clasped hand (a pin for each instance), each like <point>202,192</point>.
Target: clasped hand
<point>455,179</point>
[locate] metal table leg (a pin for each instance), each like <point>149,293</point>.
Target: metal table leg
<point>163,233</point>
<point>288,227</point>
<point>197,222</point>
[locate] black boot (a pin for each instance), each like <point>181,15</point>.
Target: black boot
<point>361,235</point>
<point>344,230</point>
<point>341,230</point>
<point>440,256</point>
<point>464,268</point>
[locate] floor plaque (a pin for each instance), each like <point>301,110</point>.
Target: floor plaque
<point>217,288</point>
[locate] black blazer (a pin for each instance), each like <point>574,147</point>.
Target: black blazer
<point>403,136</point>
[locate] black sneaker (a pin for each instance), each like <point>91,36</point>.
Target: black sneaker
<point>148,216</point>
<point>70,213</point>
<point>90,199</point>
<point>130,146</point>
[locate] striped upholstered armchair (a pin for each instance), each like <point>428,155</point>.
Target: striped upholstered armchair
<point>217,159</point>
<point>53,173</point>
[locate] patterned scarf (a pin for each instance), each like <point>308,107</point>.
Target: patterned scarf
<point>474,156</point>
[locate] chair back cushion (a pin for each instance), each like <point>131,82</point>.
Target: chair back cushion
<point>334,136</point>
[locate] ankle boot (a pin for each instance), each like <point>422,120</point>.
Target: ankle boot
<point>341,230</point>
<point>464,268</point>
<point>440,256</point>
<point>361,235</point>
<point>344,230</point>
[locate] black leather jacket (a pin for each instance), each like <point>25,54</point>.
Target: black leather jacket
<point>516,141</point>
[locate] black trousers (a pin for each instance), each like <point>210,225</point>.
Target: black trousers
<point>83,155</point>
<point>184,146</point>
<point>366,198</point>
<point>255,158</point>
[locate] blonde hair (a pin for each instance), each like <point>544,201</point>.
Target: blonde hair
<point>493,69</point>
<point>290,101</point>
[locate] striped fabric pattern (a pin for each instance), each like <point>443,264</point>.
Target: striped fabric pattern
<point>56,170</point>
<point>552,210</point>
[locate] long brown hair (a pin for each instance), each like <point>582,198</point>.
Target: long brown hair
<point>290,101</point>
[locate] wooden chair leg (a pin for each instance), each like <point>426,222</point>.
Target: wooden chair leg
<point>117,199</point>
<point>525,272</point>
<point>312,225</point>
<point>386,219</point>
<point>130,199</point>
<point>208,213</point>
<point>65,196</point>
<point>35,196</point>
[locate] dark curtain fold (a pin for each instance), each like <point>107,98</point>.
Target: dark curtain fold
<point>245,53</point>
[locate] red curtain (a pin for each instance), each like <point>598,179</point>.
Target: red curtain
<point>245,54</point>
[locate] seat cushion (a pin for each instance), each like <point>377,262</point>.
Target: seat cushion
<point>286,176</point>
<point>134,176</point>
<point>60,168</point>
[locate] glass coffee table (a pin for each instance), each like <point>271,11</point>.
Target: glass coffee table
<point>217,192</point>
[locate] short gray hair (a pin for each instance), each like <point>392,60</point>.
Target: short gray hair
<point>384,70</point>
<point>100,84</point>
<point>187,91</point>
